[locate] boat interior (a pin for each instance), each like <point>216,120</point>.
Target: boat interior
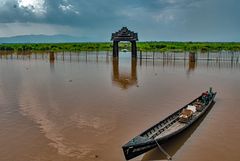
<point>171,123</point>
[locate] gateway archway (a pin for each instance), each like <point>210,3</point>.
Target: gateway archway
<point>124,35</point>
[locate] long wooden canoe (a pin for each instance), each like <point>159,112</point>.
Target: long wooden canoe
<point>166,128</point>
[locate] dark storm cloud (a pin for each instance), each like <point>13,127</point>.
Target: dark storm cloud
<point>82,13</point>
<point>79,13</point>
<point>89,11</point>
<point>213,20</point>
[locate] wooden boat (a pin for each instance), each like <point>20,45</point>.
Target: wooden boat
<point>167,128</point>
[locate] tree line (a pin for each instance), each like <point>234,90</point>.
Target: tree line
<point>143,46</point>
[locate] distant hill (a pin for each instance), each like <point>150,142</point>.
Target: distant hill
<point>41,39</point>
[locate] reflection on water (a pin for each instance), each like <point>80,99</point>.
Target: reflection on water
<point>69,109</point>
<point>124,80</point>
<point>191,67</point>
<point>52,66</point>
<point>150,59</point>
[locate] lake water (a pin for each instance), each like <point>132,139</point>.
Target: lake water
<point>84,107</point>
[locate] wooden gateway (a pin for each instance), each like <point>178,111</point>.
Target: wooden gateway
<point>169,127</point>
<point>124,35</point>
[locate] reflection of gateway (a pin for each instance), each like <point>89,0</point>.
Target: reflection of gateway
<point>124,80</point>
<point>191,67</point>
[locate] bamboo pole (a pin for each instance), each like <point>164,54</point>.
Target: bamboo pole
<point>162,150</point>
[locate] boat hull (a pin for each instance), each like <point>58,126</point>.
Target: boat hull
<point>132,150</point>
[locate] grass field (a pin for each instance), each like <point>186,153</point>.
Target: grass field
<point>142,46</point>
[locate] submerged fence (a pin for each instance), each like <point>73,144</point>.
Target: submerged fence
<point>97,55</point>
<point>213,56</point>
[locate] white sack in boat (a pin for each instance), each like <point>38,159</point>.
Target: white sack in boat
<point>192,108</point>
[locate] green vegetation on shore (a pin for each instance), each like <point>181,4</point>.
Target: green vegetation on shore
<point>143,46</point>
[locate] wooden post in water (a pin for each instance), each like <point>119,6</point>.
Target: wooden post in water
<point>208,56</point>
<point>115,49</point>
<point>51,56</point>
<point>140,57</point>
<point>192,56</point>
<point>134,49</point>
<point>153,57</point>
<point>220,56</point>
<point>184,58</point>
<point>107,57</point>
<point>232,56</point>
<point>97,56</point>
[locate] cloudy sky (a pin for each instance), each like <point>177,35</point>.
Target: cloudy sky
<point>163,20</point>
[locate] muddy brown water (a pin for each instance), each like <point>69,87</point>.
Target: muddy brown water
<point>86,108</point>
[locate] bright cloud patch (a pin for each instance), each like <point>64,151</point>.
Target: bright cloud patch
<point>67,7</point>
<point>36,6</point>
